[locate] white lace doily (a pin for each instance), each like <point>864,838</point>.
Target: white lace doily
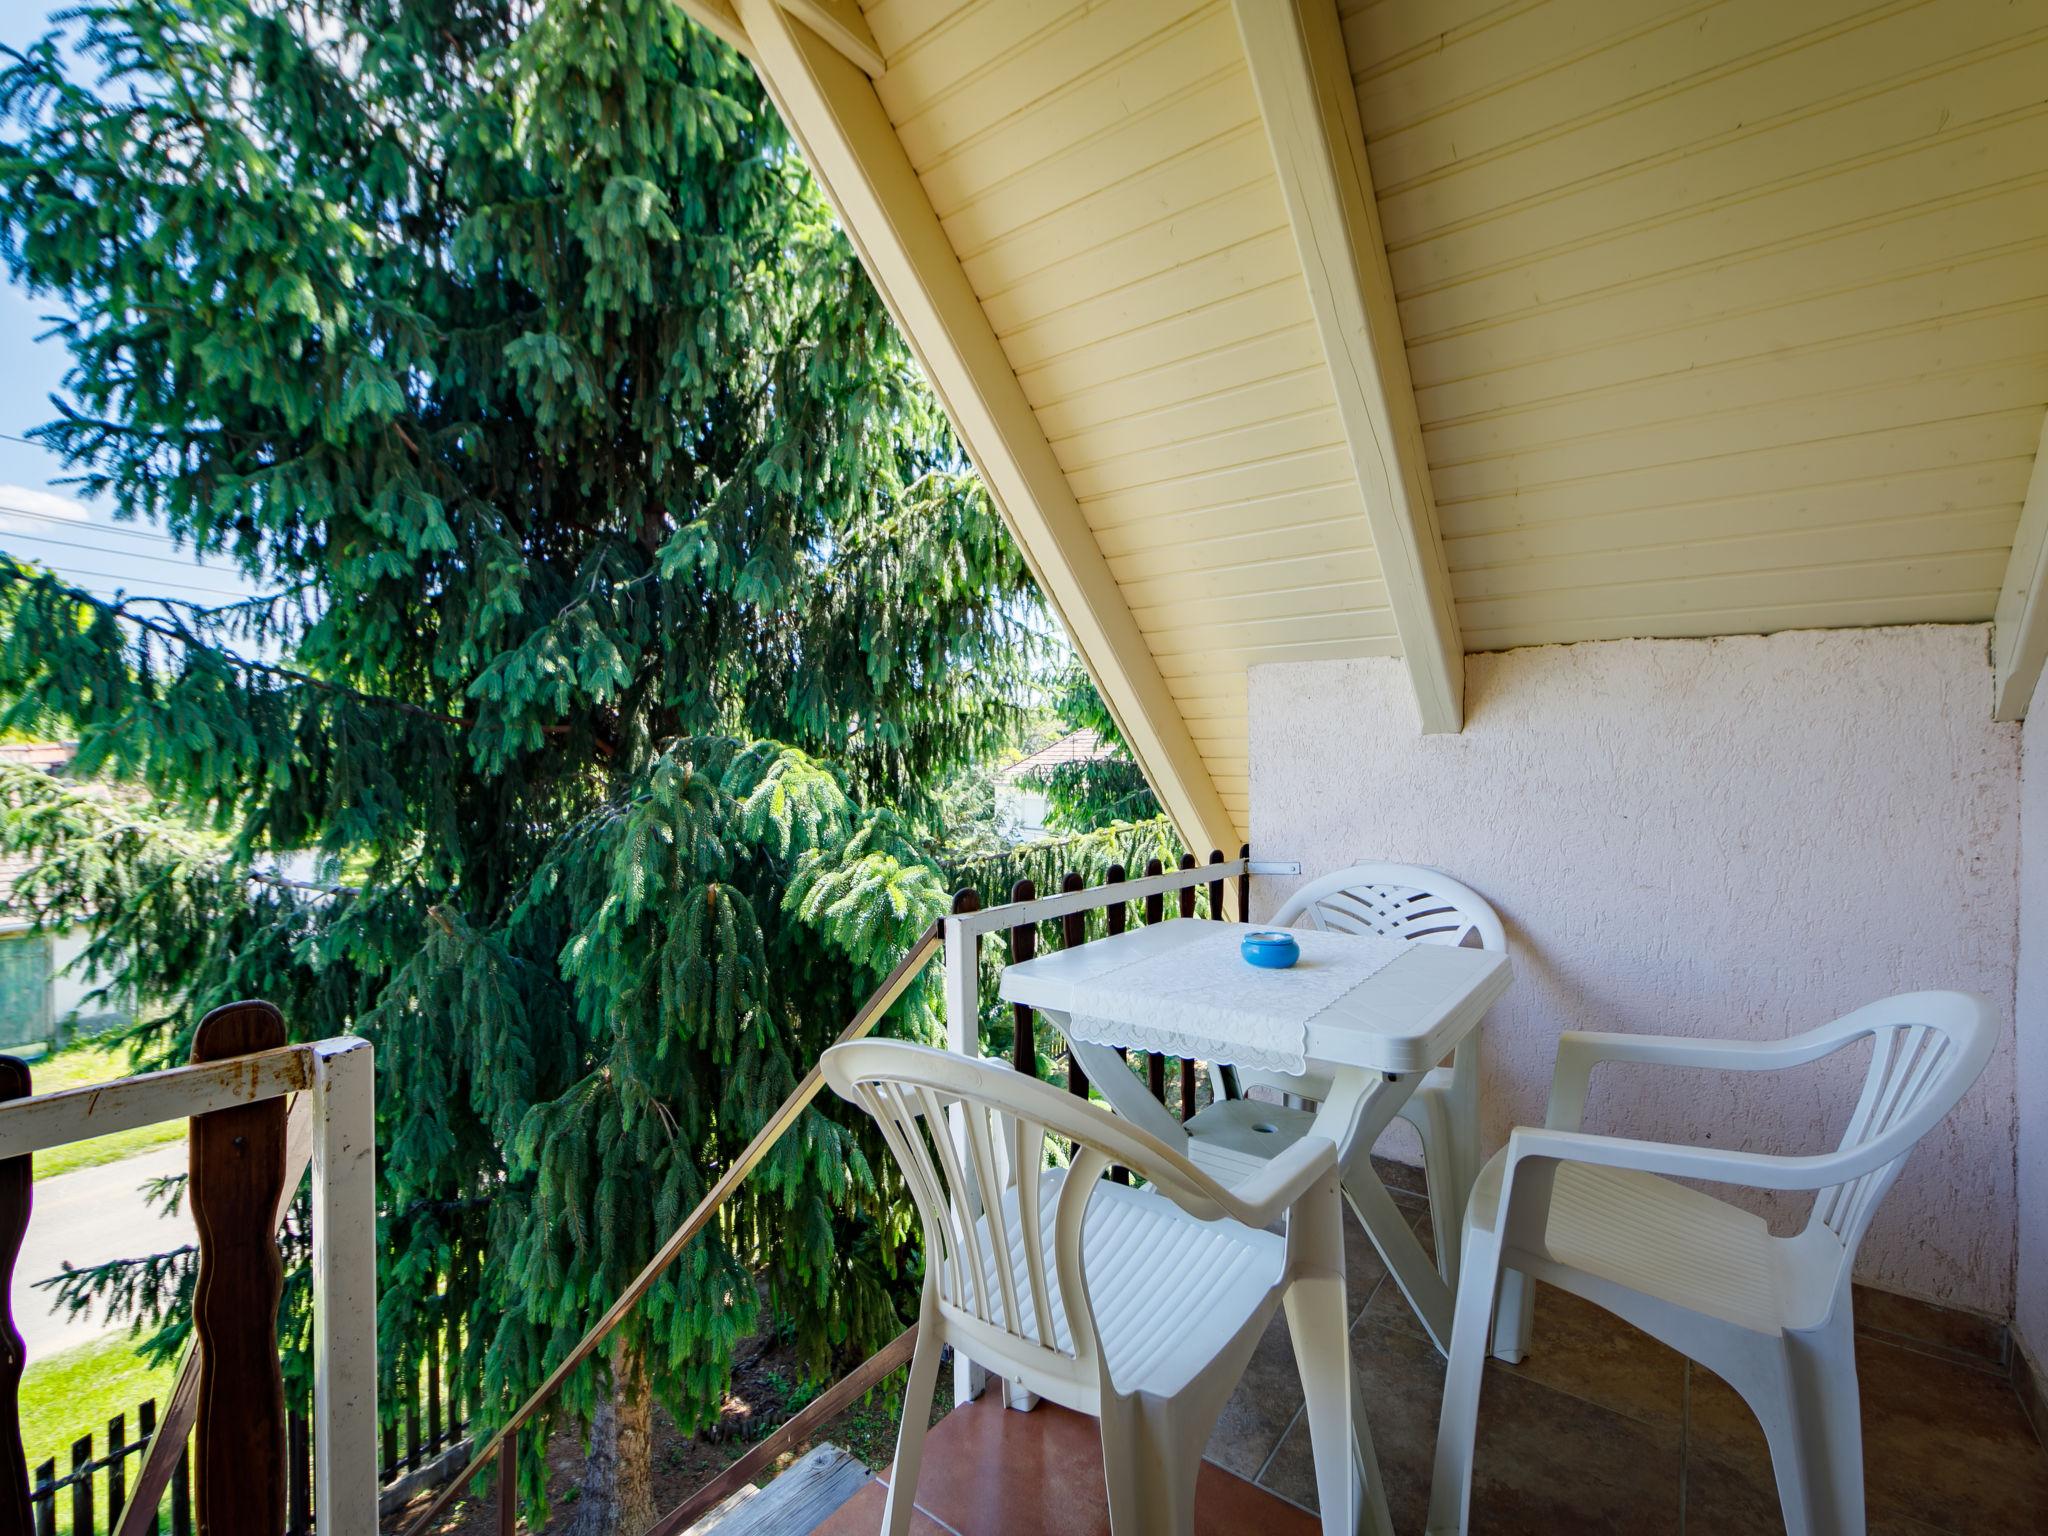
<point>1203,1001</point>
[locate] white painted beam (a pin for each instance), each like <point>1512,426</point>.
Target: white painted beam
<point>2019,630</point>
<point>852,148</point>
<point>840,23</point>
<point>1303,80</point>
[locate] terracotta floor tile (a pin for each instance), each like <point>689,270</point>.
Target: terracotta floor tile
<point>1546,1462</point>
<point>1943,1443</point>
<point>1585,1350</point>
<point>990,1472</point>
<point>861,1515</point>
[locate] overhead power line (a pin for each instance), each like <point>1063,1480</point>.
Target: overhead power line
<point>121,583</point>
<point>117,529</point>
<point>185,564</point>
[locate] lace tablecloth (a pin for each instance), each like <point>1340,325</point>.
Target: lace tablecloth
<point>1202,1000</point>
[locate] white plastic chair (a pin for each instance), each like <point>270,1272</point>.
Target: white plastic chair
<point>1139,1306</point>
<point>1600,1217</point>
<point>1402,901</point>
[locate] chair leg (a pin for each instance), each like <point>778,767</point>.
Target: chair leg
<point>917,1396</point>
<point>1815,1432</point>
<point>1514,1320</point>
<point>1151,1459</point>
<point>1316,1323</point>
<point>1450,1492</point>
<point>1322,1355</point>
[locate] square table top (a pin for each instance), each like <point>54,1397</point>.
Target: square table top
<point>1406,1017</point>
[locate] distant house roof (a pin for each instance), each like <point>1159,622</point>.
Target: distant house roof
<point>46,755</point>
<point>1074,747</point>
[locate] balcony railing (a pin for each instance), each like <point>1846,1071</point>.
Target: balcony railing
<point>258,1118</point>
<point>958,938</point>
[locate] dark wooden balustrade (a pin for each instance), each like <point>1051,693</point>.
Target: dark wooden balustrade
<point>1073,929</point>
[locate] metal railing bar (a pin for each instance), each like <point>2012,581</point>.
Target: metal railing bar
<point>994,919</point>
<point>786,1114</point>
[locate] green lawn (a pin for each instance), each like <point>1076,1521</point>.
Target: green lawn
<point>76,1392</point>
<point>92,1061</point>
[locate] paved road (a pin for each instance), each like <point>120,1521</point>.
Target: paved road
<point>89,1217</point>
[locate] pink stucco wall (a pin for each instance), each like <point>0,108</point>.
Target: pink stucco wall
<point>2030,1011</point>
<point>1742,837</point>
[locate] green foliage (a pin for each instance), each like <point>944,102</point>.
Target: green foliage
<point>1082,796</point>
<point>626,595</point>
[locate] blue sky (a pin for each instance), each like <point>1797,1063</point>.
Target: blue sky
<point>43,520</point>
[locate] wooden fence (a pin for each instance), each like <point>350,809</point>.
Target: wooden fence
<point>424,1412</point>
<point>91,1495</point>
<point>232,1458</point>
<point>1074,928</point>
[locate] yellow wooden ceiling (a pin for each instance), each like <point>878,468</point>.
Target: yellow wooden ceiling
<point>1720,317</point>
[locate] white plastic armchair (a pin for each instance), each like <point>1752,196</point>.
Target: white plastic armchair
<point>1600,1216</point>
<point>1138,1306</point>
<point>1402,901</point>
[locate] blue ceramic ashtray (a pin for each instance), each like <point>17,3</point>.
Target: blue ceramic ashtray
<point>1271,950</point>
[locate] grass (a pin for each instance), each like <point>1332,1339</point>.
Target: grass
<point>74,1393</point>
<point>93,1061</point>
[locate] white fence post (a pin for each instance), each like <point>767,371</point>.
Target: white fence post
<point>344,1289</point>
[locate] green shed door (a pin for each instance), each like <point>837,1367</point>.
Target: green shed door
<point>24,988</point>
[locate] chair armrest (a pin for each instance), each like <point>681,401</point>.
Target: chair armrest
<point>1268,1194</point>
<point>1579,1051</point>
<point>1717,1165</point>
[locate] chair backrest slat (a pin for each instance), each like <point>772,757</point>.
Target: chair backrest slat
<point>1908,1063</point>
<point>963,1203</point>
<point>990,1183</point>
<point>971,1139</point>
<point>1027,1159</point>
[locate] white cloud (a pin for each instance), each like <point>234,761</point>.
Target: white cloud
<point>21,498</point>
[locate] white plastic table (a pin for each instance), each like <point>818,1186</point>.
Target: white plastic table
<point>1374,1042</point>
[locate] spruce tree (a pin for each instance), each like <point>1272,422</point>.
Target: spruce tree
<point>625,595</point>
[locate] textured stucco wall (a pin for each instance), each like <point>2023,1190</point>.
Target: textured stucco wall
<point>2030,1010</point>
<point>1742,837</point>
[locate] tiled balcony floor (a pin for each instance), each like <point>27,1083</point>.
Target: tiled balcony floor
<point>1600,1429</point>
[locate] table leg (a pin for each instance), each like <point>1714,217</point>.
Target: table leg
<point>1128,1096</point>
<point>1361,1105</point>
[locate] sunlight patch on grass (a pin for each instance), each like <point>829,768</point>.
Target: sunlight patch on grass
<point>74,1393</point>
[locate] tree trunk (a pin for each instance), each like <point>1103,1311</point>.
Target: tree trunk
<point>618,1473</point>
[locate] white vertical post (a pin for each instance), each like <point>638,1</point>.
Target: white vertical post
<point>963,1036</point>
<point>344,1289</point>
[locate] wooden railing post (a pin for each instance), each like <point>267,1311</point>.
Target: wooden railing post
<point>1244,885</point>
<point>1074,932</point>
<point>17,1195</point>
<point>117,1467</point>
<point>81,1486</point>
<point>1024,945</point>
<point>1216,888</point>
<point>46,1498</point>
<point>1155,912</point>
<point>508,1485</point>
<point>237,1178</point>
